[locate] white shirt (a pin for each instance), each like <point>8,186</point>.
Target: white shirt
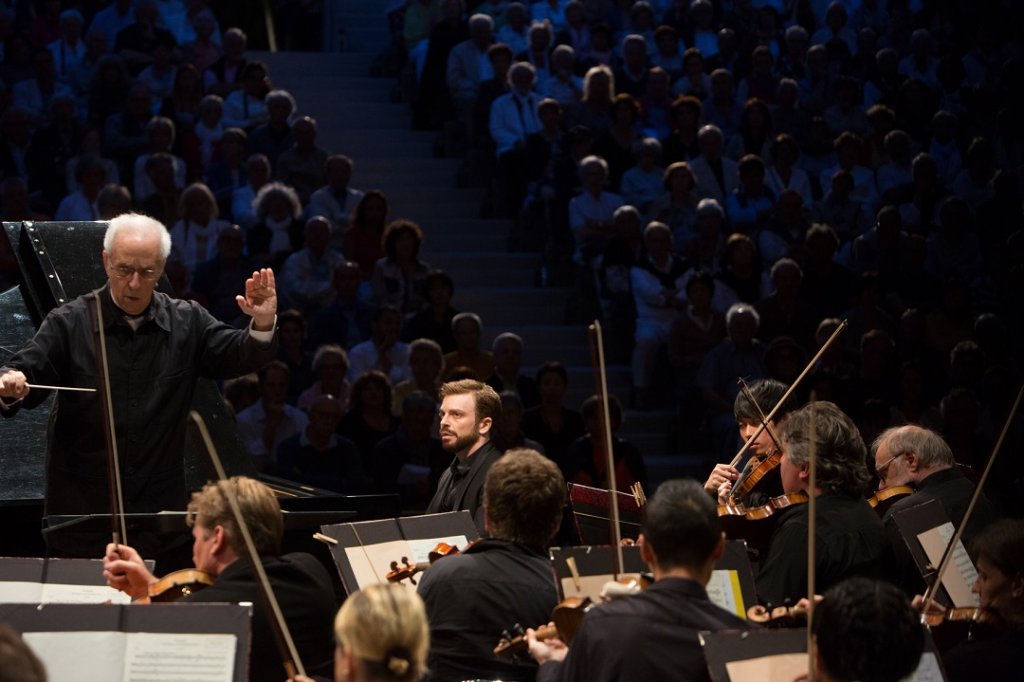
<point>513,117</point>
<point>76,207</point>
<point>363,358</point>
<point>252,420</point>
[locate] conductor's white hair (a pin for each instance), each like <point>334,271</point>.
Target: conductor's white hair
<point>137,222</point>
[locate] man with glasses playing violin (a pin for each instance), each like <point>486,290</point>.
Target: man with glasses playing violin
<point>156,349</point>
<point>919,458</point>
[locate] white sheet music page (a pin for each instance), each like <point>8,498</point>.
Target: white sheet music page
<point>81,656</point>
<point>155,657</point>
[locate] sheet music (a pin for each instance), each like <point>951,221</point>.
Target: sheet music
<point>20,592</point>
<point>80,656</point>
<point>724,591</point>
<point>961,575</point>
<point>54,593</point>
<point>777,668</point>
<point>152,657</point>
<point>371,563</point>
<point>420,549</point>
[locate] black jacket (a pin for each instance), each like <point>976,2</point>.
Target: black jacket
<point>469,490</point>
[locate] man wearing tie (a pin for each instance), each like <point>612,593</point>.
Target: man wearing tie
<point>513,117</point>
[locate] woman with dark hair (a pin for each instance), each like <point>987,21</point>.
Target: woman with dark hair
<point>681,144</point>
<point>109,88</point>
<point>183,104</point>
<point>678,205</point>
<point>615,145</point>
<point>244,108</point>
<point>755,133</point>
<point>369,419</point>
<point>552,424</point>
<point>363,240</point>
<point>399,278</point>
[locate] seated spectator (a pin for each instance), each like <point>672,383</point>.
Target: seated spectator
<point>539,41</point>
<point>434,321</point>
<point>828,286</point>
<point>164,203</point>
<point>347,320</point>
<point>135,43</point>
<point>257,175</point>
<point>90,176</point>
<point>576,33</point>
<point>111,19</point>
<point>667,51</point>
<point>467,329</point>
<point>586,462</point>
<point>694,81</point>
<point>382,351</point>
<point>974,182</point>
<point>219,277</point>
<point>513,31</point>
<point>616,144</point>
<point>847,216</point>
<point>330,365</point>
<point>848,151</point>
<point>787,229</point>
<point>784,173</point>
<point>784,312</point>
<point>208,128</point>
<point>369,419</point>
<point>105,90</point>
<point>161,75</point>
<point>563,85</point>
<point>835,29</point>
<point>88,147</point>
<point>590,213</point>
<point>513,118</point>
<point>318,456</point>
<point>114,200</point>
<point>245,108</point>
<point>269,422</point>
<point>716,175</point>
<point>553,11</point>
<point>500,56</point>
<point>761,84</point>
<point>738,355</point>
<point>468,65</point>
<point>15,204</point>
<point>225,75</point>
<point>507,432</point>
<point>302,166</point>
<point>194,236</point>
<point>749,206</point>
<point>755,132</point>
<point>33,95</point>
<point>656,104</point>
<point>425,364</point>
<point>552,424</point>
<point>596,104</point>
<point>631,76</point>
<point>159,140</point>
<point>274,137</point>
<point>203,50</point>
<point>399,277</point>
<point>182,107</point>
<point>336,200</point>
<point>507,351</point>
<point>291,332</point>
<point>643,183</point>
<point>847,113</point>
<point>307,278</point>
<point>363,240</point>
<point>944,147</point>
<point>279,229</point>
<point>953,249</point>
<point>69,49</point>
<point>410,461</point>
<point>676,207</point>
<point>226,174</point>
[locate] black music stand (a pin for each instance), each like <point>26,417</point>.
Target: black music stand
<point>592,511</point>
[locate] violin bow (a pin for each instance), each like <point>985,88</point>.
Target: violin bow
<point>947,554</point>
<point>119,531</point>
<point>812,507</point>
<point>789,392</point>
<point>597,348</point>
<point>282,636</point>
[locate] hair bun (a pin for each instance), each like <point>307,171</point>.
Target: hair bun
<point>397,661</point>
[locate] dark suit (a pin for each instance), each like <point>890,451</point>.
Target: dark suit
<point>649,636</point>
<point>469,489</point>
<point>304,592</point>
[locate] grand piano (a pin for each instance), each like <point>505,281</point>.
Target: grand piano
<point>58,261</point>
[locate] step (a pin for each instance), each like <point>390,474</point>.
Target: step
<point>284,63</point>
<point>467,226</point>
<point>416,209</point>
<point>387,174</point>
<point>443,241</point>
<point>338,91</point>
<point>436,195</point>
<point>362,144</point>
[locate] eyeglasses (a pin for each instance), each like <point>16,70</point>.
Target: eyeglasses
<point>126,272</point>
<point>883,470</point>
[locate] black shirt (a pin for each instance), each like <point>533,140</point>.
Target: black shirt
<point>462,485</point>
<point>850,541</point>
<point>648,636</point>
<point>303,591</point>
<point>153,375</point>
<point>472,597</point>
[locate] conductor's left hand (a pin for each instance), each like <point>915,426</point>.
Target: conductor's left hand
<point>260,299</point>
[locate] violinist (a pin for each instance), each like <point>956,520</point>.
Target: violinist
<point>382,636</point>
<point>501,580</point>
<point>865,630</point>
<point>850,537</point>
<point>652,635</point>
<point>994,655</point>
<point>157,348</point>
<point>468,411</point>
<point>763,396</point>
<point>914,456</point>
<point>300,583</point>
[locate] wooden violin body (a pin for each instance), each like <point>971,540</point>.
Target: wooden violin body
<point>756,524</point>
<point>404,570</point>
<point>178,584</point>
<point>962,624</point>
<point>779,617</point>
<point>883,499</point>
<point>755,477</point>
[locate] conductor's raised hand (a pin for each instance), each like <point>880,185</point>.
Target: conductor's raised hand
<point>260,299</point>
<point>125,571</point>
<point>13,384</point>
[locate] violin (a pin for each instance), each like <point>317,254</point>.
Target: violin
<point>883,499</point>
<point>778,618</point>
<point>755,524</point>
<point>962,624</point>
<point>749,482</point>
<point>407,571</point>
<point>178,584</point>
<point>514,643</point>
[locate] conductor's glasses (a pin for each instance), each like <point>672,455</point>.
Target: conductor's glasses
<point>126,272</point>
